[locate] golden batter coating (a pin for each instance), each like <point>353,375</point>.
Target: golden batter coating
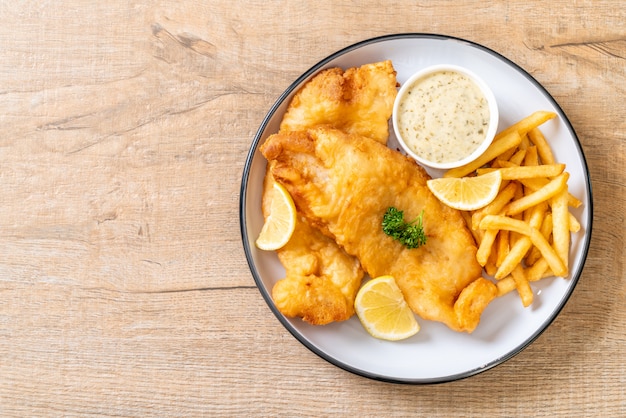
<point>343,184</point>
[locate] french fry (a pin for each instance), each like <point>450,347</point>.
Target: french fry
<point>514,257</point>
<point>502,246</point>
<point>518,157</point>
<point>498,222</point>
<point>546,231</point>
<point>490,267</point>
<point>543,149</point>
<point>522,245</point>
<point>523,235</point>
<point>522,286</point>
<point>505,285</point>
<point>537,183</point>
<point>514,236</point>
<point>546,192</point>
<point>572,201</point>
<point>525,141</point>
<point>485,247</point>
<point>534,184</point>
<point>526,172</point>
<point>511,155</point>
<point>560,227</point>
<point>537,239</point>
<point>554,261</point>
<point>496,206</point>
<point>531,158</point>
<point>496,148</point>
<point>528,123</point>
<point>574,225</point>
<point>538,271</point>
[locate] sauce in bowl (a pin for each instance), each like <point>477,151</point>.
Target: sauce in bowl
<point>444,116</point>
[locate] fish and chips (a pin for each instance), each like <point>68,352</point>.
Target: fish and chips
<point>331,155</point>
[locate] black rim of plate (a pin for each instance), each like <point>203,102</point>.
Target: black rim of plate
<point>268,299</point>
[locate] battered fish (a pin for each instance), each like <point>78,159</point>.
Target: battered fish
<point>356,101</point>
<point>321,279</point>
<point>344,184</point>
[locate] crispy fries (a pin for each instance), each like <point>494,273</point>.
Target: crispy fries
<point>546,192</point>
<point>522,285</point>
<point>526,172</point>
<point>543,149</point>
<point>560,226</point>
<point>523,235</point>
<point>484,249</point>
<point>498,222</point>
<point>529,123</point>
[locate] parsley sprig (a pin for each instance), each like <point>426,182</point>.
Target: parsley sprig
<point>410,234</point>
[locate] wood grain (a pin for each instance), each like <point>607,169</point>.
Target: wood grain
<point>124,128</point>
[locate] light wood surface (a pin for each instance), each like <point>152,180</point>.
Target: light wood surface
<point>124,128</point>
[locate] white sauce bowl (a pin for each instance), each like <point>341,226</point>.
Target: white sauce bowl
<point>457,140</point>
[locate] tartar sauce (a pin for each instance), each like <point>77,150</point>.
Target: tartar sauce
<point>443,117</point>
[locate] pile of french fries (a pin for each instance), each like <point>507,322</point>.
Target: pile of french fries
<point>523,235</point>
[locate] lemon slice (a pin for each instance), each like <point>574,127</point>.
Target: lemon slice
<point>467,193</point>
<point>280,223</point>
<point>382,310</point>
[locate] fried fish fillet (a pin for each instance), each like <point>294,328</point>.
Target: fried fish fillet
<point>321,278</point>
<point>358,100</point>
<point>344,184</point>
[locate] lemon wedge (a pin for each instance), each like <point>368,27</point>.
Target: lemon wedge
<point>280,223</point>
<point>467,193</point>
<point>381,308</point>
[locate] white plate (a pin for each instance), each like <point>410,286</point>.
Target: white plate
<point>435,354</point>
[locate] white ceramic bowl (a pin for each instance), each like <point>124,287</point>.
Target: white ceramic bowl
<point>489,132</point>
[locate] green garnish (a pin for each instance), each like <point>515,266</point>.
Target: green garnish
<point>410,234</point>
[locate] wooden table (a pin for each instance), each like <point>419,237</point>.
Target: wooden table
<point>124,289</point>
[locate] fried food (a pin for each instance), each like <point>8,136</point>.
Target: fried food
<point>345,183</point>
<point>526,229</point>
<point>358,100</point>
<point>321,278</point>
